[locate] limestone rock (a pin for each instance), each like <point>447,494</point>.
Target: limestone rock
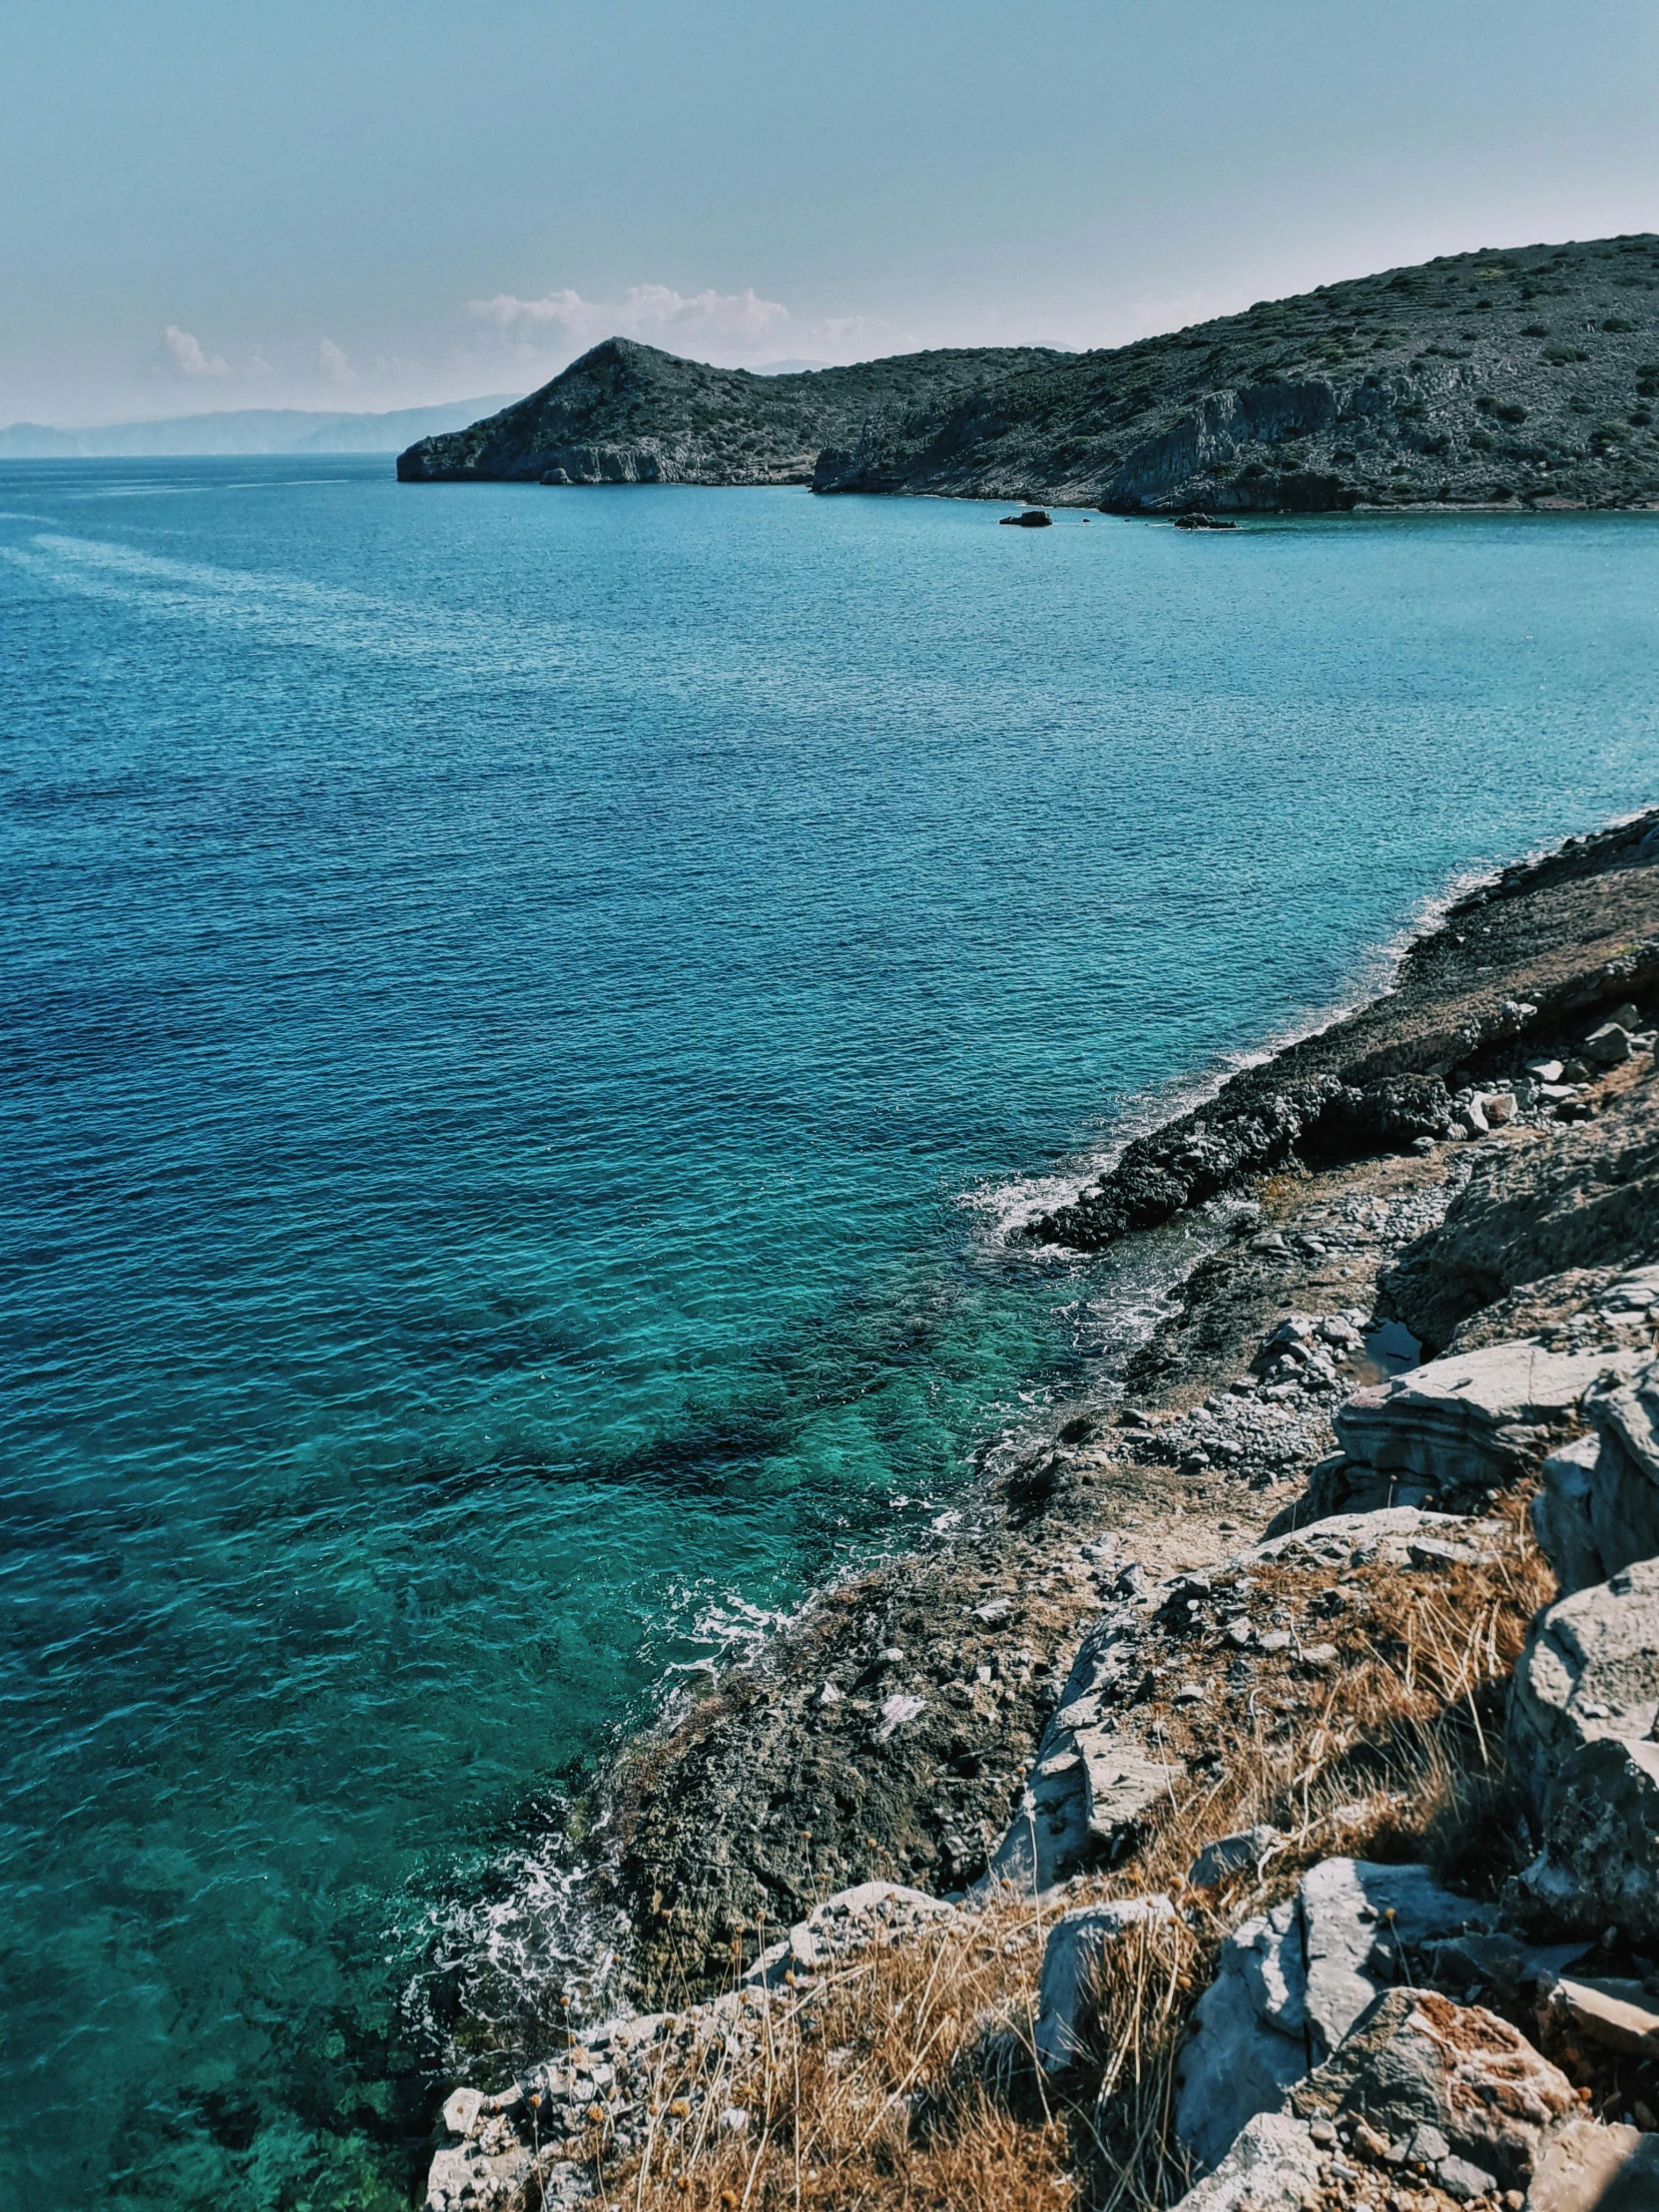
<point>1446,2081</point>
<point>1590,1670</point>
<point>1386,1534</point>
<point>1273,2167</point>
<point>1469,1422</point>
<point>1599,1865</point>
<point>1608,1046</point>
<point>1290,1984</point>
<point>1624,1488</point>
<point>1076,1944</point>
<point>1585,1195</point>
<point>1561,1515</point>
<point>1246,1849</point>
<point>1619,2014</point>
<point>868,1912</point>
<point>1586,2167</point>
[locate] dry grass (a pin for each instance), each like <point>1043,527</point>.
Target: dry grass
<point>903,2078</point>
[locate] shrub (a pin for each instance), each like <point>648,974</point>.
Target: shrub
<point>1482,441</point>
<point>1618,323</point>
<point>1534,329</point>
<point>1556,355</point>
<point>1510,410</point>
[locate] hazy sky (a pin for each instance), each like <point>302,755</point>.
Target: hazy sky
<point>377,203</point>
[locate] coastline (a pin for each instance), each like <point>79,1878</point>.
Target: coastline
<point>885,1732</point>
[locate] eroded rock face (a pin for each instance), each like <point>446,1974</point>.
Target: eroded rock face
<point>1623,1497</point>
<point>1453,2083</point>
<point>1584,1196</point>
<point>1599,1865</point>
<point>1461,1427</point>
<point>1289,1986</point>
<point>1561,1515</point>
<point>1590,1671</point>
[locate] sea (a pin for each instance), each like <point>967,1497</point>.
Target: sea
<point>529,1019</point>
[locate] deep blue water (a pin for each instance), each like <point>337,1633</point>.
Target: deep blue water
<point>525,1012</point>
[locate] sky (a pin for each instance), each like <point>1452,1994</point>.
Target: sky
<point>372,203</point>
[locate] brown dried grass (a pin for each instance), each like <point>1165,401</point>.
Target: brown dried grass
<point>904,2079</point>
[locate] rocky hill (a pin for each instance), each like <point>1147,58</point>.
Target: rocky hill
<point>627,413</point>
<point>1477,380</point>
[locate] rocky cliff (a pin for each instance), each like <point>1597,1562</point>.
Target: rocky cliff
<point>1485,379</point>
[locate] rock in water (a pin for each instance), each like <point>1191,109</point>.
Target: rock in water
<point>1033,518</point>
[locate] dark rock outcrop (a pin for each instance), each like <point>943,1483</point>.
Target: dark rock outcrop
<point>627,413</point>
<point>1577,932</point>
<point>1483,379</point>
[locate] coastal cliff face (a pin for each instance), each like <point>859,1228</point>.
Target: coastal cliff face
<point>1479,380</point>
<point>1476,380</point>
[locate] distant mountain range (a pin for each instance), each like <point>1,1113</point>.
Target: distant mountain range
<point>246,431</point>
<point>1529,376</point>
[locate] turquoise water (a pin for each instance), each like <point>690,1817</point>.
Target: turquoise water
<point>526,1015</point>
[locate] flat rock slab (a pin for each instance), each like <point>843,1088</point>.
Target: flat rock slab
<point>1618,2015</point>
<point>1450,1423</point>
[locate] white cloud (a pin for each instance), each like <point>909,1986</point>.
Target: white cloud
<point>333,363</point>
<point>712,321</point>
<point>181,354</point>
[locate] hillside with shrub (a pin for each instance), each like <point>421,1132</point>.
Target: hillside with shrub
<point>1478,379</point>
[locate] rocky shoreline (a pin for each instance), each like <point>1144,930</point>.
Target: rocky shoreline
<point>1035,1705</point>
<point>1487,380</point>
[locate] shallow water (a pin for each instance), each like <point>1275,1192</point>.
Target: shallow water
<point>527,1014</point>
